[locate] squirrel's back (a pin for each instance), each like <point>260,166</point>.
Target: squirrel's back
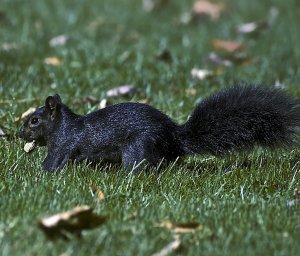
<point>239,118</point>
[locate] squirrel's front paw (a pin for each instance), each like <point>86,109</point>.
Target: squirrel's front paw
<point>49,166</point>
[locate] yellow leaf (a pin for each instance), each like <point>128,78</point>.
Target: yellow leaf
<point>228,46</point>
<point>181,227</point>
<point>54,61</point>
<point>97,192</point>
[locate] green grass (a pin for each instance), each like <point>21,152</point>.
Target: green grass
<point>241,201</point>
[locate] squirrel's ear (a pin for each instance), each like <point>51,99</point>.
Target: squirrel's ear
<point>53,103</point>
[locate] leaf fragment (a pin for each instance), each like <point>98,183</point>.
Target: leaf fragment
<point>59,40</point>
<point>74,221</point>
<point>206,8</point>
<point>201,73</point>
<point>251,27</point>
<point>215,58</point>
<point>26,114</point>
<point>228,46</point>
<point>181,227</point>
<point>170,248</point>
<point>120,91</point>
<point>97,192</point>
<point>2,133</point>
<point>53,61</point>
<point>103,103</point>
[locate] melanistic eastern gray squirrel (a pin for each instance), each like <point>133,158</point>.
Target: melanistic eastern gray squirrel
<point>232,120</point>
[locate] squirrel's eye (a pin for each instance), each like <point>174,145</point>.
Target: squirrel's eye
<point>34,120</point>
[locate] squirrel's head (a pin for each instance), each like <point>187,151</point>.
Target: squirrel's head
<point>41,122</point>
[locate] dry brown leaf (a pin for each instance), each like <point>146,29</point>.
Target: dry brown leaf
<point>26,114</point>
<point>170,248</point>
<point>54,61</point>
<point>228,46</point>
<point>181,227</point>
<point>97,192</point>
<point>59,40</point>
<point>70,222</point>
<point>120,91</point>
<point>206,8</point>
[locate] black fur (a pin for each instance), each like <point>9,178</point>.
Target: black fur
<point>235,119</point>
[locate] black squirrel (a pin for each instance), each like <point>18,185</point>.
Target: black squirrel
<point>231,120</point>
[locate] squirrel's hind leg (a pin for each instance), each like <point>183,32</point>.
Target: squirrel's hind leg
<point>138,151</point>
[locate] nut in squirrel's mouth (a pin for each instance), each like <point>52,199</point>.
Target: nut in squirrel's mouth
<point>30,146</point>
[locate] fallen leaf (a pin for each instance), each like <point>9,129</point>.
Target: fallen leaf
<point>86,99</point>
<point>103,104</point>
<point>215,58</point>
<point>180,228</point>
<point>278,84</point>
<point>58,40</point>
<point>170,248</point>
<point>54,61</point>
<point>26,114</point>
<point>120,91</point>
<point>90,99</point>
<point>132,216</point>
<point>228,46</point>
<point>206,8</point>
<point>144,101</point>
<point>201,73</point>
<point>251,27</point>
<point>97,192</point>
<point>2,133</point>
<point>190,92</point>
<point>73,221</point>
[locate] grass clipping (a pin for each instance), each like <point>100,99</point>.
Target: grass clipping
<point>74,221</point>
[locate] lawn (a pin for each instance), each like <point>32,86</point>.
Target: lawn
<point>243,203</point>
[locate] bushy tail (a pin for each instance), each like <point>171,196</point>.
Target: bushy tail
<point>240,118</point>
